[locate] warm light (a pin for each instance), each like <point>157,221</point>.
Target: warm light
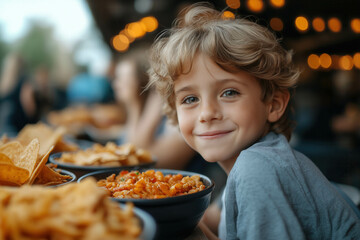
<point>228,14</point>
<point>313,61</point>
<point>318,24</point>
<point>301,23</point>
<point>150,22</point>
<point>135,29</point>
<point>120,43</point>
<point>255,5</point>
<point>346,62</point>
<point>234,4</point>
<point>124,32</point>
<point>334,24</point>
<point>276,24</point>
<point>277,3</point>
<point>325,60</point>
<point>356,60</point>
<point>355,25</point>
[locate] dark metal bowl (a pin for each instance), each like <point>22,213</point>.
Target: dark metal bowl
<point>176,217</point>
<point>82,170</point>
<point>147,222</point>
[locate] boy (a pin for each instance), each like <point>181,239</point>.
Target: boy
<point>227,84</point>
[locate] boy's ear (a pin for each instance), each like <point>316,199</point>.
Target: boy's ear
<point>278,105</point>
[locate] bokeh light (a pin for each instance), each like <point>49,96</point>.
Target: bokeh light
<point>135,29</point>
<point>313,61</point>
<point>151,23</point>
<point>318,24</point>
<point>228,14</point>
<point>255,5</point>
<point>276,24</point>
<point>301,23</point>
<point>334,24</point>
<point>120,43</point>
<point>234,4</point>
<point>355,25</point>
<point>325,60</point>
<point>356,60</point>
<point>277,3</point>
<point>346,62</point>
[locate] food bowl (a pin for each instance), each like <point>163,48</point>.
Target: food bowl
<point>147,222</point>
<point>82,170</point>
<point>176,217</point>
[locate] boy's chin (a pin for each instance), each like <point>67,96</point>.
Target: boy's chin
<point>211,157</point>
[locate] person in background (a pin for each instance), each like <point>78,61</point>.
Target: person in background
<point>146,127</point>
<point>86,88</point>
<point>17,103</point>
<point>227,83</point>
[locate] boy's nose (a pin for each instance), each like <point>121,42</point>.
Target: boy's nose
<point>209,111</point>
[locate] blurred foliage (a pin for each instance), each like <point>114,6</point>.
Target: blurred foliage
<point>37,47</point>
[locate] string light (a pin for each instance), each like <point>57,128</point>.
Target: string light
<point>227,15</point>
<point>255,5</point>
<point>313,61</point>
<point>276,24</point>
<point>318,24</point>
<point>346,62</point>
<point>355,25</point>
<point>325,60</point>
<point>120,43</point>
<point>151,23</point>
<point>301,24</point>
<point>334,24</point>
<point>356,60</point>
<point>234,4</point>
<point>277,3</point>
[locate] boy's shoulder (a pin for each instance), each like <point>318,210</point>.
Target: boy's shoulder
<point>270,156</point>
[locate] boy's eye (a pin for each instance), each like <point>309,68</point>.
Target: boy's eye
<point>230,93</point>
<point>190,100</point>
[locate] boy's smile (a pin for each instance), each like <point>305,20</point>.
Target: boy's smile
<point>219,113</point>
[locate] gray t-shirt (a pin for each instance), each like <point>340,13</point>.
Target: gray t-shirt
<point>275,192</point>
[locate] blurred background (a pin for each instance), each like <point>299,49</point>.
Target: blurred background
<point>60,52</point>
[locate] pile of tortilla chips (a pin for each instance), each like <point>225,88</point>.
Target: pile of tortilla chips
<point>25,165</point>
<point>73,211</point>
<point>108,155</point>
<point>47,136</point>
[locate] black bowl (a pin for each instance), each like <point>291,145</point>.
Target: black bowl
<point>176,217</point>
<point>147,222</point>
<point>82,170</point>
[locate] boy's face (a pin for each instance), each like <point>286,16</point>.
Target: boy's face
<point>219,113</point>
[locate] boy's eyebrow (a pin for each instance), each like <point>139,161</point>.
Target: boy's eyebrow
<point>232,80</point>
<point>188,88</point>
<point>183,89</point>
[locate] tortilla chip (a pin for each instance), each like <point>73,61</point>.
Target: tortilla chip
<point>12,149</point>
<point>40,166</point>
<point>46,135</point>
<point>48,177</point>
<point>9,173</point>
<point>29,157</point>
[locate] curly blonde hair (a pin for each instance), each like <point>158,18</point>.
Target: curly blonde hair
<point>233,44</point>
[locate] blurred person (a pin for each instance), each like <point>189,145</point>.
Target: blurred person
<point>17,103</point>
<point>145,125</point>
<point>87,88</point>
<point>45,95</point>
